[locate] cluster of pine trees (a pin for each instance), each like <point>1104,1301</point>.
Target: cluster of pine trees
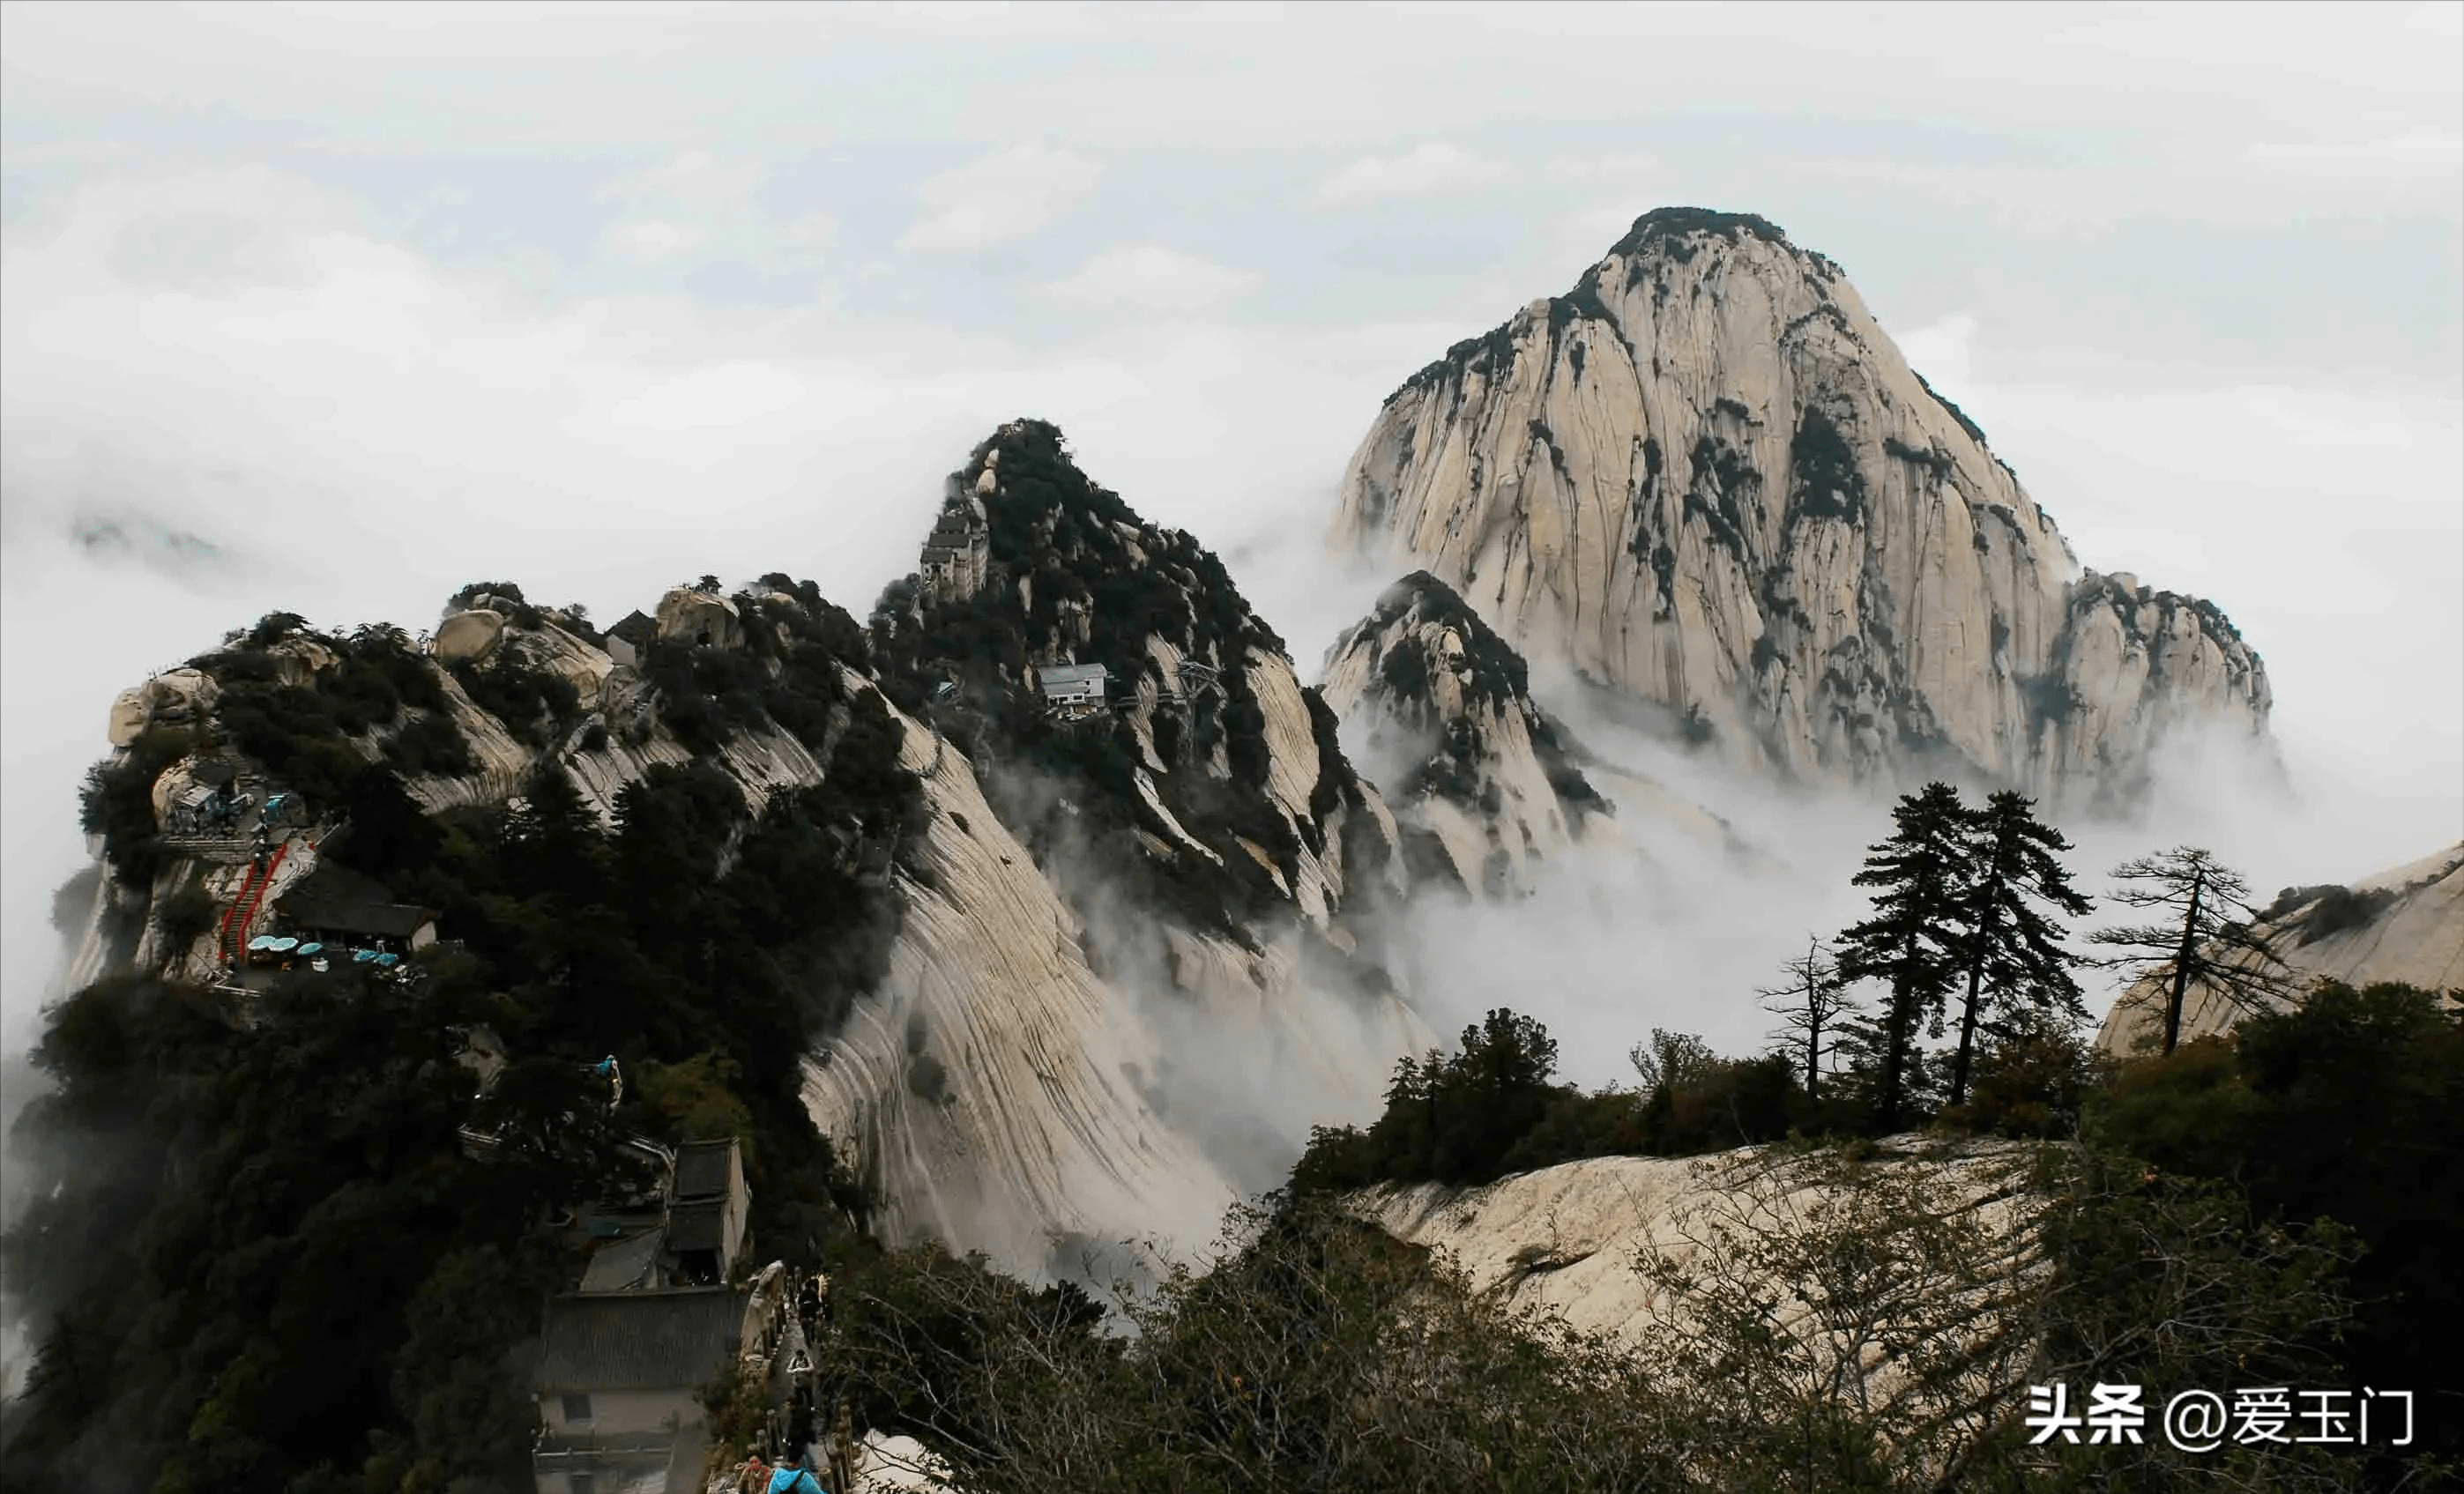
<point>1966,941</point>
<point>257,1257</point>
<point>1976,1018</point>
<point>1962,925</point>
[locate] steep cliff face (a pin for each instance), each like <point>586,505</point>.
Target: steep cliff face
<point>1705,479</point>
<point>1131,972</point>
<point>2403,925</point>
<point>1194,758</point>
<point>1125,964</point>
<point>1002,1094</point>
<point>1440,710</point>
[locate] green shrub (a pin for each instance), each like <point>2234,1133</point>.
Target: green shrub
<point>187,914</point>
<point>430,743</point>
<point>2277,1109</point>
<point>118,802</point>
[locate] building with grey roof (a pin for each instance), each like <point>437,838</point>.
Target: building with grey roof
<point>618,1378</point>
<point>1073,688</point>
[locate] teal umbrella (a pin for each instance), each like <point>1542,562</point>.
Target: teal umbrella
<point>388,961</point>
<point>364,957</point>
<point>263,941</point>
<point>283,946</point>
<point>312,948</point>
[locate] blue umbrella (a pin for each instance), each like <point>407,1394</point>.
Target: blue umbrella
<point>283,946</point>
<point>263,941</point>
<point>362,956</point>
<point>312,948</point>
<point>388,961</point>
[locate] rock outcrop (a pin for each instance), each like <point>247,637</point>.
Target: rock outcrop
<point>468,636</point>
<point>699,617</point>
<point>174,697</point>
<point>1211,777</point>
<point>1706,479</point>
<point>1127,966</point>
<point>1440,712</point>
<point>1571,1242</point>
<point>2404,925</point>
<point>1001,1093</point>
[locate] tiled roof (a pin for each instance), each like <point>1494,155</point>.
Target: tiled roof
<point>624,1265</point>
<point>640,1340</point>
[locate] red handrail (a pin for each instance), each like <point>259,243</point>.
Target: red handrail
<point>243,909</point>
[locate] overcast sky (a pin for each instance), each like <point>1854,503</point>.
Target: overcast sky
<point>336,307</point>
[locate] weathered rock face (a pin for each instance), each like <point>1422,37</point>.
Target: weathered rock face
<point>1706,479</point>
<point>468,635</point>
<point>2404,925</point>
<point>1125,979</point>
<point>1002,1094</point>
<point>1440,709</point>
<point>699,617</point>
<point>1211,775</point>
<point>174,697</point>
<point>1567,1241</point>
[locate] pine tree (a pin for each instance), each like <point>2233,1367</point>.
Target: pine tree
<point>1913,941</point>
<point>2011,949</point>
<point>553,841</point>
<point>1812,1005</point>
<point>2206,938</point>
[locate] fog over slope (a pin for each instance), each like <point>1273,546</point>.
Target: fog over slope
<point>148,509</point>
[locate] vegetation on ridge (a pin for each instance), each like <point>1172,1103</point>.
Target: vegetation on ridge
<point>257,1255</point>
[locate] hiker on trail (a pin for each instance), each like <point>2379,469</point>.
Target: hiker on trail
<point>790,1480</point>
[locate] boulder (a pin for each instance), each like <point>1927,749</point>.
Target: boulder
<point>699,617</point>
<point>175,698</point>
<point>128,716</point>
<point>297,661</point>
<point>468,636</point>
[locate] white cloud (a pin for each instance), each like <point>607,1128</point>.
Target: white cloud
<point>1431,166</point>
<point>651,241</point>
<point>694,183</point>
<point>813,231</point>
<point>1599,168</point>
<point>421,426</point>
<point>242,358</point>
<point>1152,277</point>
<point>701,208</point>
<point>2420,152</point>
<point>1004,195</point>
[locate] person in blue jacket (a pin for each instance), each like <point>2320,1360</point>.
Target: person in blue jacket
<point>789,1479</point>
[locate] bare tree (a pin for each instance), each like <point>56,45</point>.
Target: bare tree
<point>2206,936</point>
<point>1811,1007</point>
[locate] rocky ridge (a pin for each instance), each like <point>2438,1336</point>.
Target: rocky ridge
<point>2403,925</point>
<point>1440,708</point>
<point>1706,479</point>
<point>1130,966</point>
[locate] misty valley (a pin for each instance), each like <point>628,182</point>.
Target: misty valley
<point>1053,1031</point>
